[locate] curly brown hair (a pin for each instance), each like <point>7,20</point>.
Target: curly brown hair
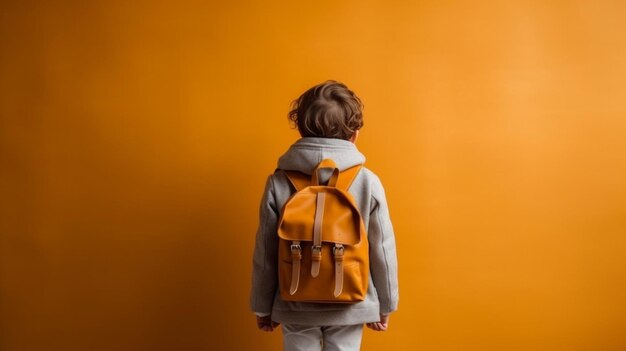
<point>328,110</point>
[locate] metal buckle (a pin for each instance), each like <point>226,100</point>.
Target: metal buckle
<point>317,248</point>
<point>296,247</point>
<point>338,248</point>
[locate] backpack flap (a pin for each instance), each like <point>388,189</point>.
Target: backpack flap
<point>342,222</point>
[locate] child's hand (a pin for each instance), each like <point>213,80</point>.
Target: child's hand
<point>266,323</point>
<point>380,325</point>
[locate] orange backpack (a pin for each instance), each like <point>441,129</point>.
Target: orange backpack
<point>323,253</point>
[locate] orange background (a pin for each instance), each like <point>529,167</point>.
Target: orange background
<point>135,138</point>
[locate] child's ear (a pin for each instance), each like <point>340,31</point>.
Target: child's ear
<point>354,136</point>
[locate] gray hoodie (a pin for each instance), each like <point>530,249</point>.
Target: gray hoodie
<point>382,295</point>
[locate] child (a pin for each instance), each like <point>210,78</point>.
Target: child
<point>328,117</point>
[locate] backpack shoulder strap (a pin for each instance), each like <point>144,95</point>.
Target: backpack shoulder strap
<point>300,180</point>
<point>347,177</point>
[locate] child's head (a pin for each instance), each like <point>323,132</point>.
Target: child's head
<point>328,110</point>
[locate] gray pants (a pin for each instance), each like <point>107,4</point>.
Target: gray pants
<point>335,338</point>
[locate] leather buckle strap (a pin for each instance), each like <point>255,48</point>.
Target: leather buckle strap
<point>338,252</point>
<point>296,256</point>
<point>317,235</point>
<point>316,258</point>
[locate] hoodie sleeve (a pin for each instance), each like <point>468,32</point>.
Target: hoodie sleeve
<point>264,260</point>
<point>383,260</point>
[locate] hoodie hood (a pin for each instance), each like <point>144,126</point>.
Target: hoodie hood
<point>306,153</point>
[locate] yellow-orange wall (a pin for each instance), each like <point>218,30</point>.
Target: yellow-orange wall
<point>135,138</point>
